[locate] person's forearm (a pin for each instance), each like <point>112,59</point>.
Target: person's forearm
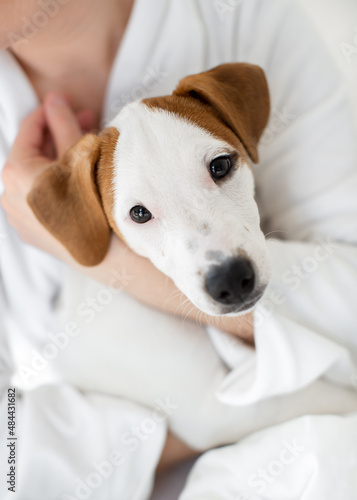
<point>141,279</point>
<point>174,452</point>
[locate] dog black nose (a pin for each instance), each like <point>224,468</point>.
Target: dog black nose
<point>231,282</point>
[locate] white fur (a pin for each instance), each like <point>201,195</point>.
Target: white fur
<point>161,162</point>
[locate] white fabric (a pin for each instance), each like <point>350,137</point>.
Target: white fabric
<point>30,277</point>
<point>126,343</point>
<point>75,447</point>
<point>305,459</point>
<point>217,391</point>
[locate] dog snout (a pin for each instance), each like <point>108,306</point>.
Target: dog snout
<point>231,282</point>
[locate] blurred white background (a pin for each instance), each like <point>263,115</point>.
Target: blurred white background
<point>336,21</point>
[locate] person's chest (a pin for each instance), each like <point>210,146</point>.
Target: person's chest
<point>85,90</point>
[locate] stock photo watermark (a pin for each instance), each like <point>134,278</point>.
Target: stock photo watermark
<point>245,496</point>
<point>31,26</point>
<point>349,50</point>
<point>130,442</point>
<point>225,7</point>
<point>279,120</point>
<point>153,77</point>
<point>11,440</point>
<point>289,453</point>
<point>88,309</point>
<point>294,277</point>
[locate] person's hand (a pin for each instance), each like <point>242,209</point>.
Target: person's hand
<point>43,136</point>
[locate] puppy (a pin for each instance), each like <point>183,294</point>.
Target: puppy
<point>171,177</point>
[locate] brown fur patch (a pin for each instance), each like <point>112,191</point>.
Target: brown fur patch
<point>230,101</point>
<point>105,174</point>
<point>194,112</point>
<point>66,201</point>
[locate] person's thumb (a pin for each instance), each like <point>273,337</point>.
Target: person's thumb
<point>62,121</point>
<point>29,140</point>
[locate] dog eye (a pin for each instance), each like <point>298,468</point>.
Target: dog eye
<point>220,167</point>
<point>140,214</point>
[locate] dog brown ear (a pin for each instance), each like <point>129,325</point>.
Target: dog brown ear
<point>239,95</point>
<point>66,201</point>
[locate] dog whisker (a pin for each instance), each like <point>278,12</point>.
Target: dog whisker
<point>244,318</point>
<point>173,295</point>
<point>189,312</point>
<point>187,306</point>
<point>182,305</point>
<point>206,318</point>
<point>199,318</point>
<point>275,231</point>
<point>177,309</point>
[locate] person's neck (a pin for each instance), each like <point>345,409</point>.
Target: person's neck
<point>74,53</point>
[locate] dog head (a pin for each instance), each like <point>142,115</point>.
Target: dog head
<point>171,177</point>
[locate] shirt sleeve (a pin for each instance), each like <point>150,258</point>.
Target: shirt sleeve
<point>306,184</point>
<point>79,445</point>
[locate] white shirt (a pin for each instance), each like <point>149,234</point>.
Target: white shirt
<point>305,325</point>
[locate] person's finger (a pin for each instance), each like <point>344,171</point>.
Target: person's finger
<point>86,120</point>
<point>61,121</point>
<point>48,148</point>
<point>29,140</point>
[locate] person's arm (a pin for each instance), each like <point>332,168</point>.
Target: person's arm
<point>149,285</point>
<point>30,155</point>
